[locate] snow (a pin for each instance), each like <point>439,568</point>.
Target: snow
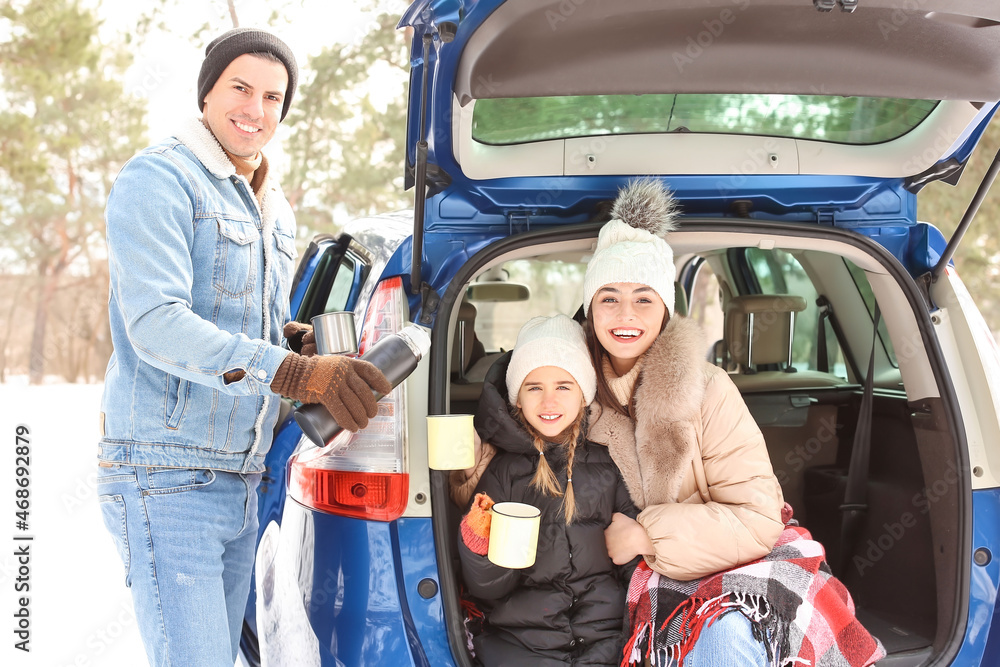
<point>80,610</point>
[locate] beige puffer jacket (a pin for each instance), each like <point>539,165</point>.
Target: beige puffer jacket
<point>694,461</point>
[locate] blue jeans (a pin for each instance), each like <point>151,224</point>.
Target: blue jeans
<point>186,538</point>
<point>728,642</point>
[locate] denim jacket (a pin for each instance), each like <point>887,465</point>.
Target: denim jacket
<point>200,279</point>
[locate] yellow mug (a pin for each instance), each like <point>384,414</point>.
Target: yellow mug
<point>513,535</point>
<point>451,443</point>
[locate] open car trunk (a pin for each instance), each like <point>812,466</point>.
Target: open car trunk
<point>790,136</point>
<point>905,567</point>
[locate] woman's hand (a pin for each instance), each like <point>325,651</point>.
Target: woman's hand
<point>626,539</point>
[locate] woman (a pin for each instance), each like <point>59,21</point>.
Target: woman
<point>729,579</point>
<point>691,455</point>
<point>567,608</point>
<point>689,450</point>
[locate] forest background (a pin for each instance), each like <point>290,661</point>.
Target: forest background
<point>84,84</point>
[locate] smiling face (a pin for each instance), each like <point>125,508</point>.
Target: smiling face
<point>243,108</point>
<point>550,400</point>
<point>628,317</point>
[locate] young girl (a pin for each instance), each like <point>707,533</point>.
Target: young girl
<point>569,607</point>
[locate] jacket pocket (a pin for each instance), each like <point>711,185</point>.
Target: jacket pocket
<point>176,480</point>
<point>284,266</point>
<point>235,257</point>
<point>176,403</point>
<point>286,245</point>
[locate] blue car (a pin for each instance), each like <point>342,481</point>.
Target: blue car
<point>796,136</point>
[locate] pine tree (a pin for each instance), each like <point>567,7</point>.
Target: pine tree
<point>345,153</point>
<point>66,128</point>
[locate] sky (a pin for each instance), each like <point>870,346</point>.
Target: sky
<point>165,70</point>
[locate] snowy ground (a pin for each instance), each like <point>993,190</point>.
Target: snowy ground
<point>80,611</point>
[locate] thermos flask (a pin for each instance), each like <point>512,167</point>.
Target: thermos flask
<point>396,355</point>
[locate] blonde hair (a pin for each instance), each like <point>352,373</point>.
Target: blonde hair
<point>545,479</point>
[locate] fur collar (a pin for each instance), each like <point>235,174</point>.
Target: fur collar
<point>654,453</point>
<point>200,141</point>
<point>673,373</point>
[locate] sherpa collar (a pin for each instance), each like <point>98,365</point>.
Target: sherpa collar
<point>200,141</point>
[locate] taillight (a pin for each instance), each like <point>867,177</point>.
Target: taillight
<point>363,474</point>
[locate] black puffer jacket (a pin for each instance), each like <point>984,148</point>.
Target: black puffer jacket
<point>569,607</point>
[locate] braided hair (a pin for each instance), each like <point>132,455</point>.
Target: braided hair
<point>545,479</point>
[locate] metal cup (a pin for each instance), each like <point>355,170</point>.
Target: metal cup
<point>335,333</point>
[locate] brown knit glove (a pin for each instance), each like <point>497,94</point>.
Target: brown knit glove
<point>475,526</point>
<point>301,338</point>
<point>342,384</point>
<point>308,344</point>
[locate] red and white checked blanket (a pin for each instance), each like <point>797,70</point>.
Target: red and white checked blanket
<point>800,612</point>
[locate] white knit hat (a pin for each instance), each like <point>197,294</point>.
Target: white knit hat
<point>551,341</point>
<point>630,248</point>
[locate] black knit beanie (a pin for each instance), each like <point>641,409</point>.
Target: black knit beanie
<point>230,45</point>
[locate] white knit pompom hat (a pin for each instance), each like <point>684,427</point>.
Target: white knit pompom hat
<point>631,248</point>
<point>551,341</point>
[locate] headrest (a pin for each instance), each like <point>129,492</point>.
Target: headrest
<point>772,317</point>
<point>467,312</point>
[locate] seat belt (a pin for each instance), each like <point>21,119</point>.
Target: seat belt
<point>822,356</point>
<point>855,506</point>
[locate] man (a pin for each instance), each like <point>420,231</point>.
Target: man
<point>201,250</point>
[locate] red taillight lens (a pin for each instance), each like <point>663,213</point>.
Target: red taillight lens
<point>361,495</point>
<point>386,313</point>
<point>363,475</point>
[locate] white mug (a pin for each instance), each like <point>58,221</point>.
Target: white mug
<point>451,442</point>
<point>513,535</point>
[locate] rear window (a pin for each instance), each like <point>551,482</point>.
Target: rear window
<point>846,120</point>
<point>555,287</point>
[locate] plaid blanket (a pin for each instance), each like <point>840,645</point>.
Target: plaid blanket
<point>801,613</point>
